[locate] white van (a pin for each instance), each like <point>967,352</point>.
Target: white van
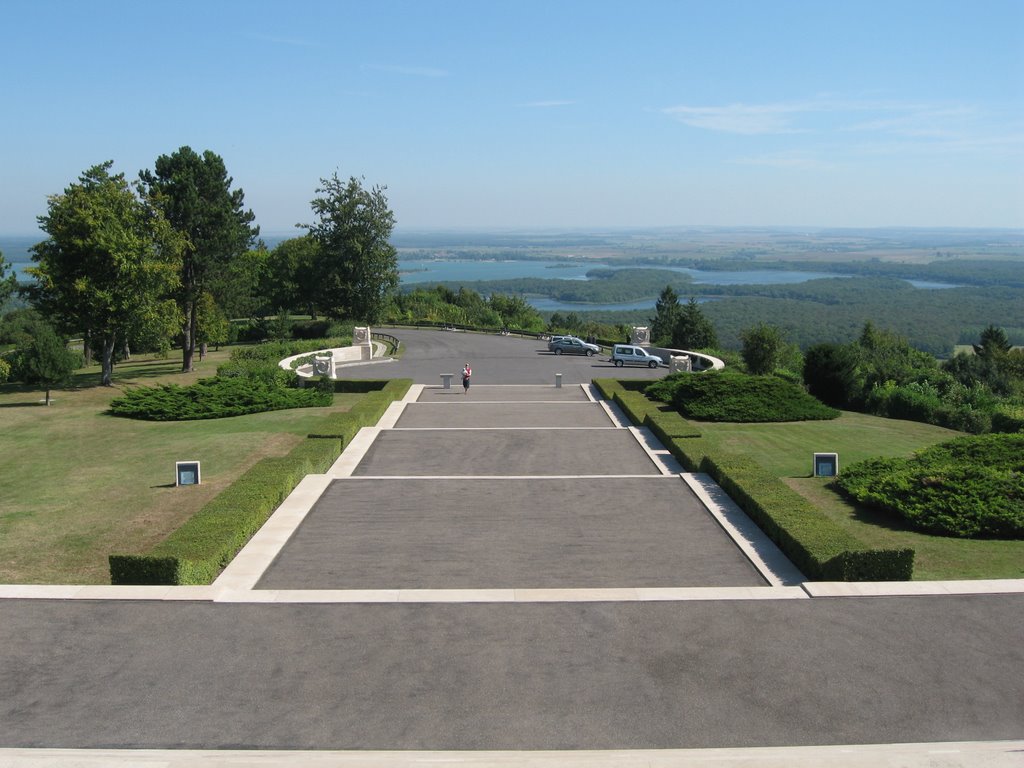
<point>627,353</point>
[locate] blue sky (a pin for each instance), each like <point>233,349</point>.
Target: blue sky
<point>535,114</point>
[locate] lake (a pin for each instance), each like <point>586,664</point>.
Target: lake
<point>412,271</point>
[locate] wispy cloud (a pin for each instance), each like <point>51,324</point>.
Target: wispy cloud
<point>548,103</point>
<point>398,69</point>
<point>841,129</point>
<point>739,118</point>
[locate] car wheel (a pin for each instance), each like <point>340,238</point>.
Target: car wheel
<point>618,363</point>
<point>590,353</point>
<point>652,364</point>
<point>558,351</point>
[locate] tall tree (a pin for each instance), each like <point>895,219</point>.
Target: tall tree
<point>992,344</point>
<point>357,266</point>
<point>44,359</point>
<point>7,284</point>
<point>290,280</point>
<point>194,192</point>
<point>762,348</point>
<point>666,315</point>
<point>693,329</point>
<point>110,262</point>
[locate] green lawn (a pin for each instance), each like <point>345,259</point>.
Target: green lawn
<point>79,485</point>
<point>786,450</point>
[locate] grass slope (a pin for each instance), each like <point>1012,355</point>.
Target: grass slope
<point>79,484</point>
<point>785,450</point>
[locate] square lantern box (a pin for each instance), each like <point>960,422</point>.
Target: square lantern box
<point>186,473</point>
<point>826,464</point>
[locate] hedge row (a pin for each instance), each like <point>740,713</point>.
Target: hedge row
<point>197,551</point>
<point>815,544</point>
<point>368,410</point>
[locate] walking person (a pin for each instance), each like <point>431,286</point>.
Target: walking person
<point>466,373</point>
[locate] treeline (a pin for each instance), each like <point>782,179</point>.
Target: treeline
<point>171,258</point>
<point>831,309</point>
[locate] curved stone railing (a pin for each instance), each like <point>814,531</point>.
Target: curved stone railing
<point>709,361</point>
<point>353,354</point>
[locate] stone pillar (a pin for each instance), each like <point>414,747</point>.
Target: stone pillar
<point>679,363</point>
<point>641,336</point>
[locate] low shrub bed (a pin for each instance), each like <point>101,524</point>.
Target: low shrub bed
<point>214,398</point>
<point>197,551</point>
<point>971,487</point>
<point>723,396</point>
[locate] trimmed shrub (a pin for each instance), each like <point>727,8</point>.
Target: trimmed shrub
<point>723,396</point>
<point>214,398</point>
<point>971,487</point>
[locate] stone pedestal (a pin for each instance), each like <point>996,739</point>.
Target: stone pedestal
<point>641,336</point>
<point>323,365</point>
<point>677,363</point>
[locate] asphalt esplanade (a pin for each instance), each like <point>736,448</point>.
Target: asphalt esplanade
<point>486,490</point>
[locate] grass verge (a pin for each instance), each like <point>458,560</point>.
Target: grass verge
<point>785,451</point>
<point>79,484</point>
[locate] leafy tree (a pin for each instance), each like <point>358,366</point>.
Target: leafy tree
<point>762,348</point>
<point>8,284</point>
<point>5,370</point>
<point>194,192</point>
<point>44,359</point>
<point>666,315</point>
<point>830,373</point>
<point>693,330</point>
<point>290,278</point>
<point>357,267</point>
<point>993,343</point>
<point>108,265</point>
<point>886,356</point>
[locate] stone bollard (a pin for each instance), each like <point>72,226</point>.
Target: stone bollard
<point>558,381</point>
<point>446,380</point>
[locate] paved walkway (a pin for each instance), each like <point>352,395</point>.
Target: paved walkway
<point>511,570</point>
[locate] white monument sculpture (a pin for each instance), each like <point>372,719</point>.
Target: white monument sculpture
<point>360,335</point>
<point>641,335</point>
<point>677,363</point>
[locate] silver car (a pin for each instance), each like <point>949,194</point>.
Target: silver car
<point>573,345</point>
<point>628,353</point>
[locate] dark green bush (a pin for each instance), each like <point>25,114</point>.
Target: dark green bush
<point>971,487</point>
<point>722,396</point>
<point>310,329</point>
<point>213,398</point>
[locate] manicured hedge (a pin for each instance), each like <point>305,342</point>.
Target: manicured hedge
<point>197,551</point>
<point>214,398</point>
<point>733,397</point>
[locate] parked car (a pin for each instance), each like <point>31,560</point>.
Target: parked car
<point>573,345</point>
<point>627,353</point>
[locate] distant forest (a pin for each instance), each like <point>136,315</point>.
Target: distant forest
<point>834,309</point>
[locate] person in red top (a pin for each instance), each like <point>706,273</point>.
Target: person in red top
<point>466,373</point>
